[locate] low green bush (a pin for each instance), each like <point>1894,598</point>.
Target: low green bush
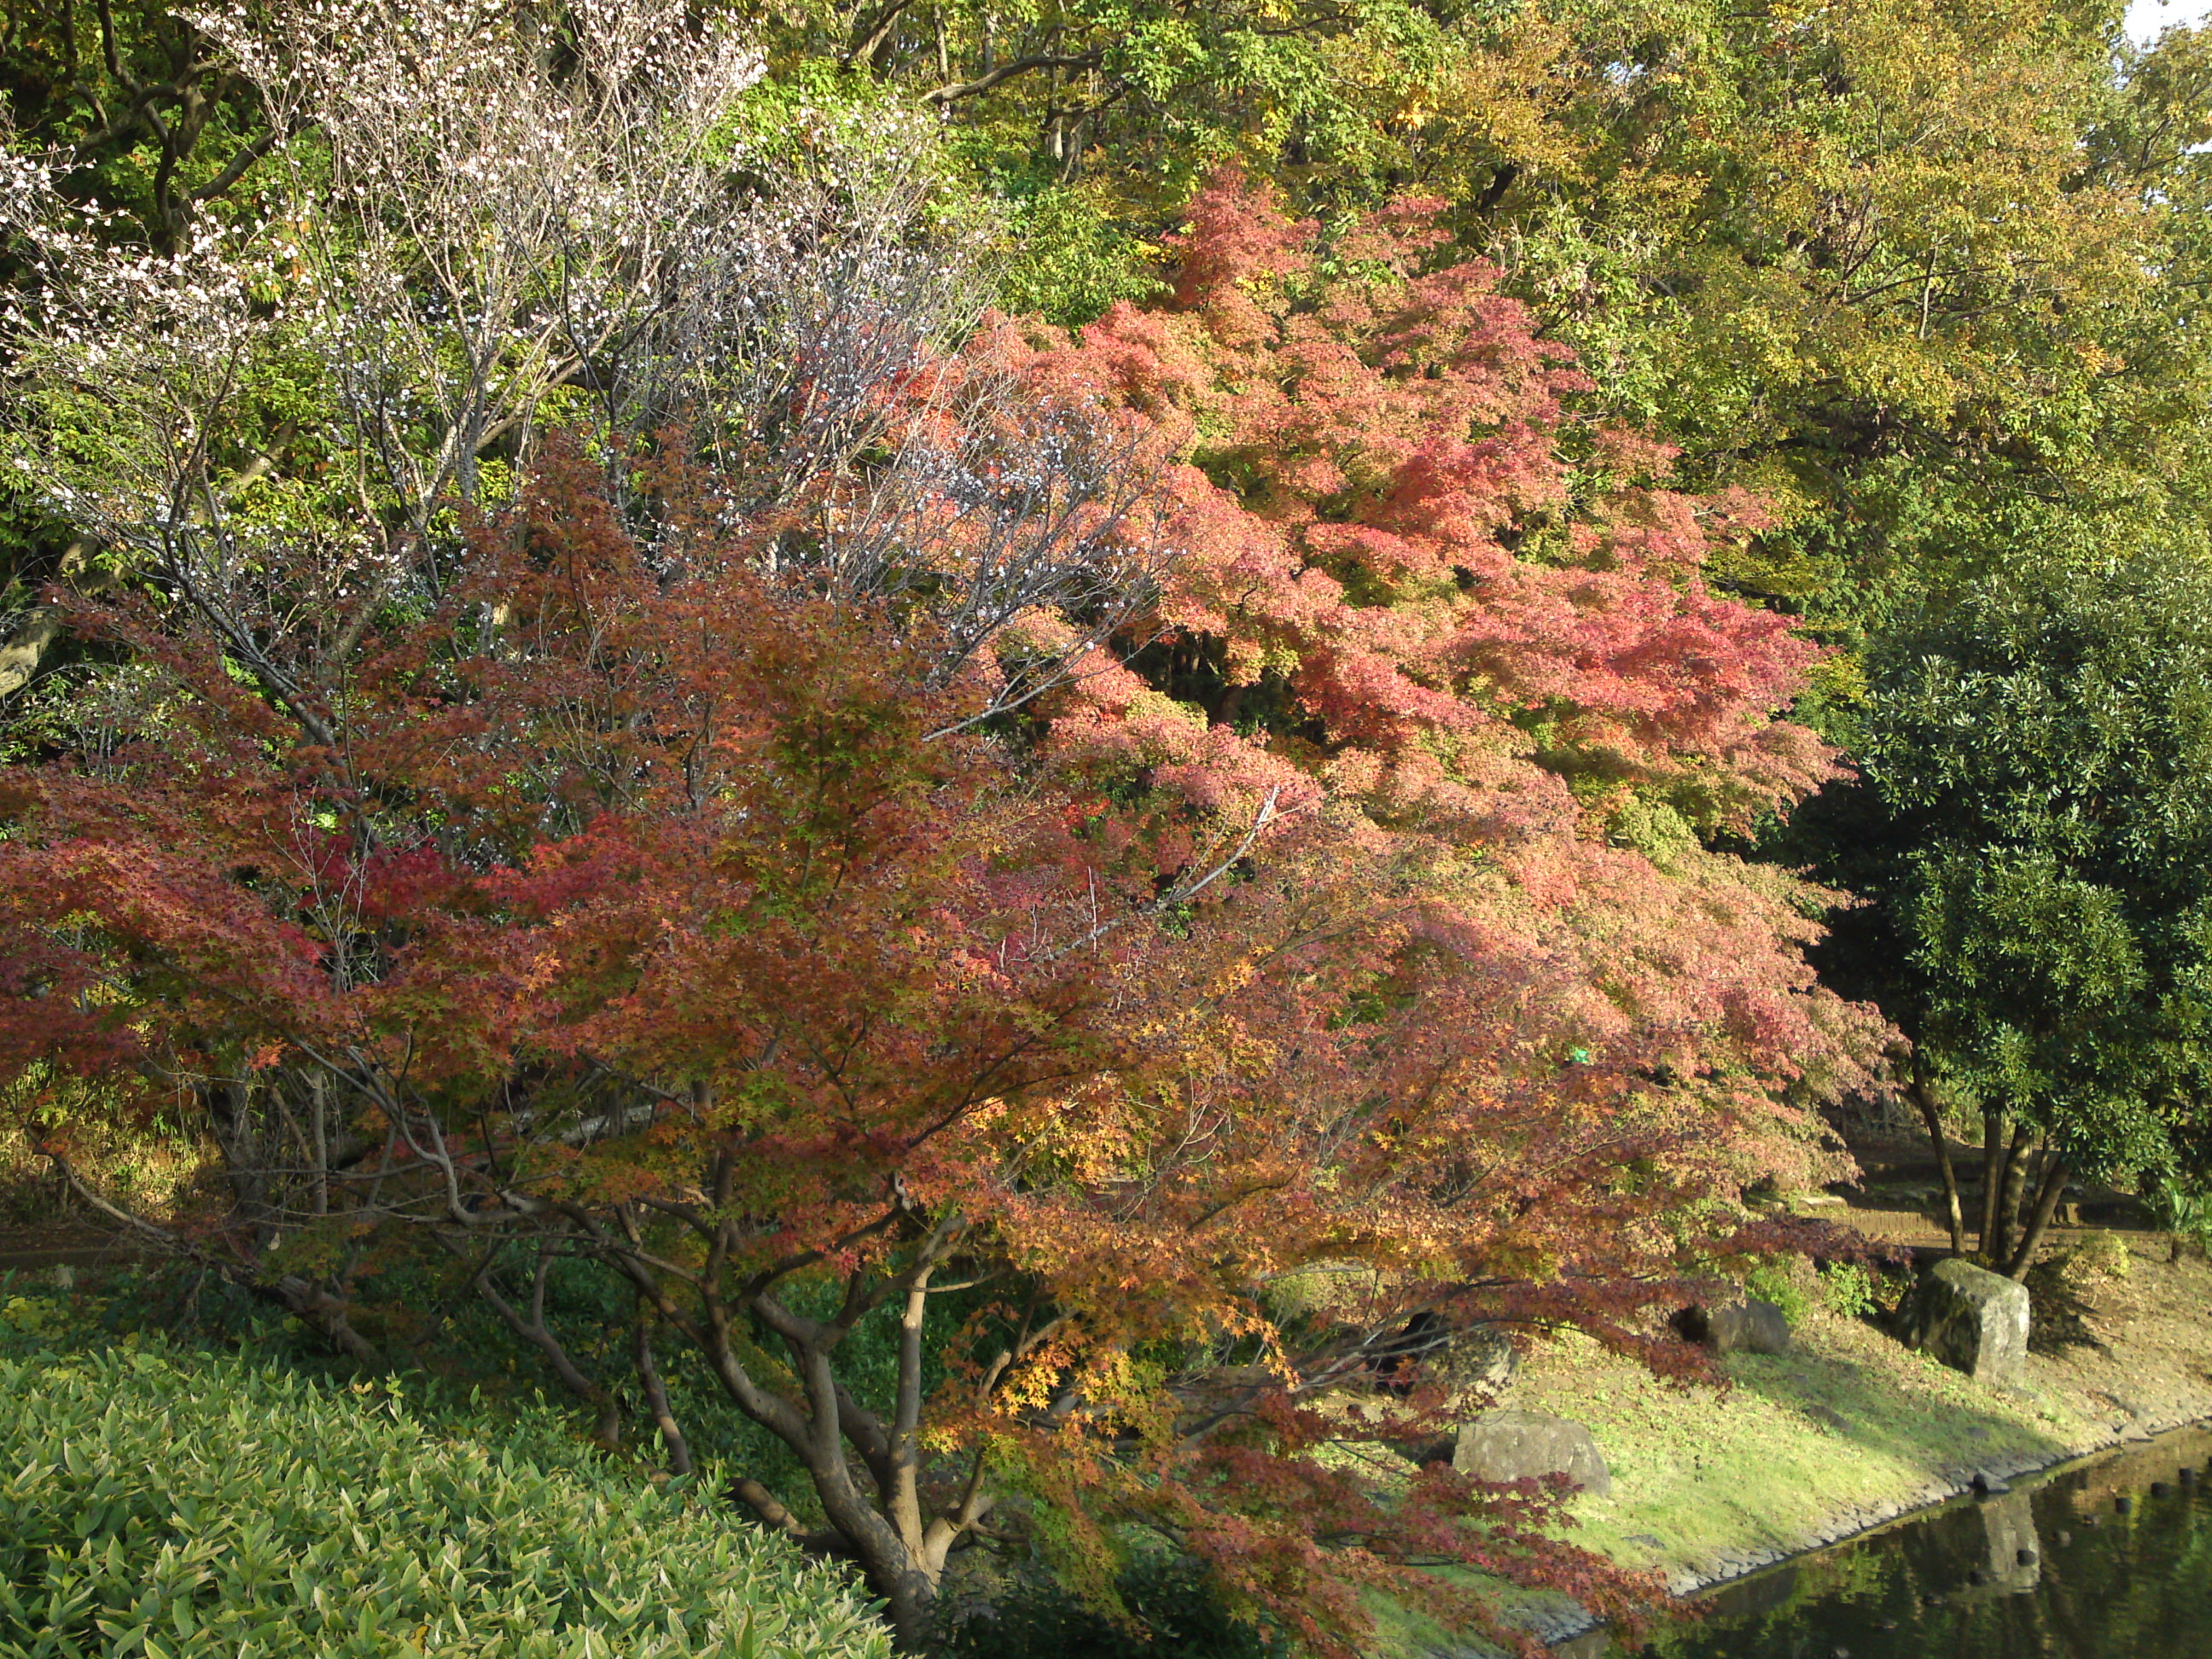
<point>1850,1289</point>
<point>178,1506</point>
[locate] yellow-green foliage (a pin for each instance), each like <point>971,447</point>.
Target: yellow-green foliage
<point>172,1505</point>
<point>2098,1256</point>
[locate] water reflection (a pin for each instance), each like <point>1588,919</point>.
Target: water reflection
<point>2013,1564</point>
<point>2110,1560</point>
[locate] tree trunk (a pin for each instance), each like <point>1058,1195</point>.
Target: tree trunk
<point>1992,1175</point>
<point>2027,1190</point>
<point>2039,1222</point>
<point>1925,1099</point>
<point>656,1394</point>
<point>2015,1164</point>
<point>911,1602</point>
<point>318,1088</point>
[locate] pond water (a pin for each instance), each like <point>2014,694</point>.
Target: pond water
<point>2110,1559</point>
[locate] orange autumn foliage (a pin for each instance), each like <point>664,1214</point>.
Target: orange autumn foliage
<point>1263,895</point>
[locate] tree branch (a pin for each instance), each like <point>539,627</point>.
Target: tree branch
<point>1007,71</point>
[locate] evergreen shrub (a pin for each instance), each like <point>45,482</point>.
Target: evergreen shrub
<point>174,1505</point>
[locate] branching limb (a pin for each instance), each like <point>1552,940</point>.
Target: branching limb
<point>656,1394</point>
<point>534,1330</point>
<point>1006,71</point>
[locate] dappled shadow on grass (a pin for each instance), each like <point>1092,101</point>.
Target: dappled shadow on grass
<point>1902,1410</point>
<point>2059,1319</point>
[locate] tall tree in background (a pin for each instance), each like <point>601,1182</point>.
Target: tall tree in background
<point>1911,272</point>
<point>134,109</point>
<point>2041,749</point>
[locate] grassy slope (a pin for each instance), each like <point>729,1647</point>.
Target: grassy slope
<point>1849,1421</point>
<point>1846,1429</point>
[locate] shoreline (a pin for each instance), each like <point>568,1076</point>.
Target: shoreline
<point>1563,1627</point>
<point>1849,1432</point>
<point>2127,1464</point>
<point>1858,1524</point>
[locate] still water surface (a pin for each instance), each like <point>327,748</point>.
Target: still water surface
<point>2108,1560</point>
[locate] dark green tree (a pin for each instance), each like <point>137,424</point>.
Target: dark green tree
<point>2035,830</point>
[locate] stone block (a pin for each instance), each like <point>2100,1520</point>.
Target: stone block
<point>1482,1360</point>
<point>1746,1326</point>
<point>1521,1445</point>
<point>1973,1320</point>
<point>1750,1327</point>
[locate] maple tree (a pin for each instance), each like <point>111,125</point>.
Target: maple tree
<point>969,873</point>
<point>1479,624</point>
<point>809,992</point>
<point>988,882</point>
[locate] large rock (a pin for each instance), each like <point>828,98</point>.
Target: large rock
<point>1751,1327</point>
<point>1477,1364</point>
<point>1973,1320</point>
<point>1518,1445</point>
<point>1483,1360</point>
<point>1746,1326</point>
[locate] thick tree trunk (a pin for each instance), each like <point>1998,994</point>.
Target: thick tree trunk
<point>2015,1165</point>
<point>1923,1097</point>
<point>1992,1176</point>
<point>2038,1220</point>
<point>910,1593</point>
<point>866,1468</point>
<point>911,1602</point>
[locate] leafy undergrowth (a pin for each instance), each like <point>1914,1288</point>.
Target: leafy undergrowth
<point>1847,1419</point>
<point>159,1501</point>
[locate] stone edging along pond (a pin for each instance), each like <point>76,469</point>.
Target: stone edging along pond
<point>1849,1431</point>
<point>1563,1623</point>
<point>1855,1520</point>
